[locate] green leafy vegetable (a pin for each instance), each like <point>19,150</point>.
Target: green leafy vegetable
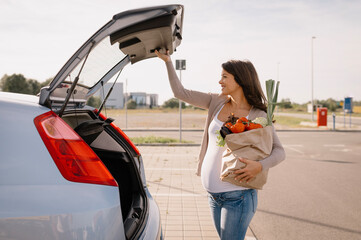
<point>220,141</point>
<point>271,99</point>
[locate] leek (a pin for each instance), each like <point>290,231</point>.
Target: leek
<point>272,95</point>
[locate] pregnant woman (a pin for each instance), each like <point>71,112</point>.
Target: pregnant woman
<point>232,206</point>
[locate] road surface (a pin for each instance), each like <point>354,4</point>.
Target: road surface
<point>316,192</point>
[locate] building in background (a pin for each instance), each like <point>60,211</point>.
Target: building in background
<point>144,100</point>
<point>117,98</point>
<point>152,100</point>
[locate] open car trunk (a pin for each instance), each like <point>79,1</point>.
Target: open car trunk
<point>121,160</point>
<point>129,37</point>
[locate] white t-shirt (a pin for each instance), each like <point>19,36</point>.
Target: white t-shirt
<point>212,163</point>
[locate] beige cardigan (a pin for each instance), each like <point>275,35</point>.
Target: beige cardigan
<point>213,102</point>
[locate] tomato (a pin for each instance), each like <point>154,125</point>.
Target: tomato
<point>239,127</point>
<point>243,120</point>
<point>253,126</point>
<point>228,125</point>
<point>232,128</point>
<point>257,125</point>
<point>249,126</point>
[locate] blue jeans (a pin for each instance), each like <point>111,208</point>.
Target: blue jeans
<point>232,212</point>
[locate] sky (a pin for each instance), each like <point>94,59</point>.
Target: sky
<point>39,36</point>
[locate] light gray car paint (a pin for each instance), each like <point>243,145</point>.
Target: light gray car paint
<point>36,202</point>
<point>33,192</point>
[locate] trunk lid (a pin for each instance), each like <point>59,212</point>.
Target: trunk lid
<point>129,37</point>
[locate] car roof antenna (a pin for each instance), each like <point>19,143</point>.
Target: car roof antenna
<point>108,94</point>
<point>70,91</point>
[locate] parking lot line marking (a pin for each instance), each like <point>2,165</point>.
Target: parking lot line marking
<point>250,238</point>
<point>178,195</point>
<point>291,147</point>
<point>341,150</point>
<point>168,169</point>
<point>337,147</point>
<point>334,145</point>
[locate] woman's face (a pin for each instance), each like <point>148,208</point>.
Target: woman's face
<point>228,83</point>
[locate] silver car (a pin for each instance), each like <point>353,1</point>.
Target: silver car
<point>66,171</point>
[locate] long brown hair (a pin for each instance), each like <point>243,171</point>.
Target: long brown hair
<point>246,76</point>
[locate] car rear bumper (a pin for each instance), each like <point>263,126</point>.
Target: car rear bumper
<point>74,211</point>
<point>153,228</point>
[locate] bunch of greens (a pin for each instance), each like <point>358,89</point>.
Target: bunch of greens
<point>272,95</point>
<point>220,140</point>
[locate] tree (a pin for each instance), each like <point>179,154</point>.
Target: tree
<point>46,83</point>
<point>33,86</point>
<point>2,81</point>
<point>131,104</point>
<point>173,103</point>
<point>15,83</point>
<point>94,102</point>
<point>330,104</point>
<point>285,103</point>
<point>299,107</point>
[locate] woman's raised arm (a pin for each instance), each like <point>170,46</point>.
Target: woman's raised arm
<point>195,98</point>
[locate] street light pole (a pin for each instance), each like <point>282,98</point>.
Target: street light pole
<point>126,106</point>
<point>180,65</point>
<point>278,78</point>
<point>312,76</point>
<point>180,111</point>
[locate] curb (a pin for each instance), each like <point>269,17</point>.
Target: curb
<point>315,130</point>
<point>169,144</point>
<point>160,130</point>
<point>201,130</point>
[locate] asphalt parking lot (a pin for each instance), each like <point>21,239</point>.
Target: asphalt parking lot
<point>314,194</point>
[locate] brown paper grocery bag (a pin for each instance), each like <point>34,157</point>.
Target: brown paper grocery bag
<point>254,145</point>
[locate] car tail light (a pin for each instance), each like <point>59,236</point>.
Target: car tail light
<point>74,158</point>
<point>121,133</point>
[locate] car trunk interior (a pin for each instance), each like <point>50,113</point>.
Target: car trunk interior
<point>119,158</point>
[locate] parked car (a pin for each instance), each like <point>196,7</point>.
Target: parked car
<point>67,171</point>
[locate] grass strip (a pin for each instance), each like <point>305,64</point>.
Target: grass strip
<point>155,139</point>
<point>290,121</point>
